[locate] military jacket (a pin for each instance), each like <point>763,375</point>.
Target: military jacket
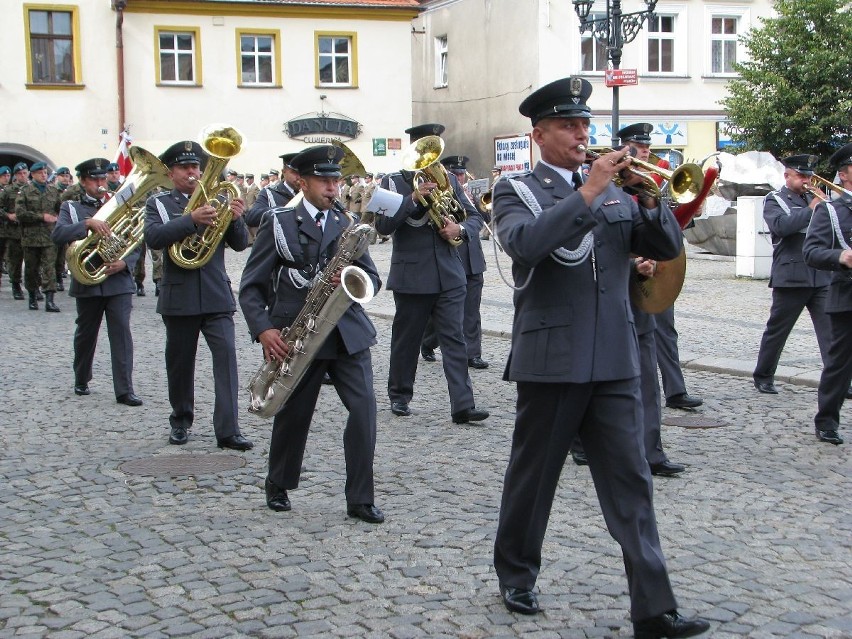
<point>421,261</point>
<point>8,195</point>
<point>293,250</point>
<point>30,205</point>
<point>270,197</point>
<point>70,227</point>
<point>573,322</point>
<point>73,192</point>
<point>787,215</point>
<point>200,291</point>
<point>822,249</point>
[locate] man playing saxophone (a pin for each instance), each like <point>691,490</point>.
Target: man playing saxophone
<point>111,297</point>
<point>194,301</point>
<point>292,247</point>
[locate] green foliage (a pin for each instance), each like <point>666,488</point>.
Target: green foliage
<point>794,95</point>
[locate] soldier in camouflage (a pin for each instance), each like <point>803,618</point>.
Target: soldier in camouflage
<point>10,229</point>
<point>37,207</point>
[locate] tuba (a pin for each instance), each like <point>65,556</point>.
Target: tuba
<point>221,142</point>
<point>124,212</point>
<point>424,158</point>
<point>274,383</point>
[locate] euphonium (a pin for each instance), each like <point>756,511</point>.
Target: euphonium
<point>274,383</point>
<point>424,158</point>
<point>124,212</point>
<point>222,142</point>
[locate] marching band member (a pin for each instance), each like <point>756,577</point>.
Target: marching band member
<point>294,246</point>
<point>111,298</point>
<point>575,357</point>
<point>427,280</point>
<point>827,247</point>
<point>194,301</point>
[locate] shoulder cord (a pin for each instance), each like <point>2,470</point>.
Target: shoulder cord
<point>835,224</point>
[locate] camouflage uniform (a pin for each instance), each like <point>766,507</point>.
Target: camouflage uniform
<point>73,192</point>
<point>39,250</point>
<point>10,234</point>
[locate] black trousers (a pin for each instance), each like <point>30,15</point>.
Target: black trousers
<point>607,416</point>
<point>182,332</point>
<point>472,325</point>
<point>787,306</point>
<point>90,314</point>
<point>668,356</point>
<point>352,376</point>
<point>836,374</point>
<point>409,323</point>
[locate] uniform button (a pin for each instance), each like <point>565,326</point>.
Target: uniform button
<point>600,243</point>
<point>579,221</point>
<point>621,215</point>
<point>603,290</point>
<point>602,268</point>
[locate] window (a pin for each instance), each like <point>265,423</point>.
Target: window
<point>336,60</point>
<point>593,54</point>
<point>441,62</point>
<point>723,43</point>
<point>661,50</point>
<point>258,58</point>
<point>53,56</point>
<point>178,56</point>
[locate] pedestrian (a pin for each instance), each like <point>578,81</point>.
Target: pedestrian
<point>575,356</point>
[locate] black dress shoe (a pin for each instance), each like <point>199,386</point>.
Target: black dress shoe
<point>140,290</point>
<point>178,436</point>
<point>671,625</point>
<point>683,400</point>
<point>766,387</point>
<point>829,436</point>
<point>519,600</point>
<point>579,457</point>
<point>849,393</point>
<point>326,379</point>
<point>235,442</point>
<point>469,415</point>
<point>428,354</point>
<point>366,512</point>
<point>400,408</point>
<point>477,362</point>
<point>276,498</point>
<point>667,469</point>
<point>129,400</point>
<point>82,389</point>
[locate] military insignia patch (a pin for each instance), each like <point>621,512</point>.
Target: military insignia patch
<point>187,146</point>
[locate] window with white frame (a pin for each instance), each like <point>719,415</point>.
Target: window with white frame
<point>441,48</point>
<point>661,43</point>
<point>723,43</point>
<point>257,59</point>
<point>177,57</point>
<point>593,54</point>
<point>335,61</point>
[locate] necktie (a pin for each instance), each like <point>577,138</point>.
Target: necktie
<point>318,218</point>
<point>576,180</point>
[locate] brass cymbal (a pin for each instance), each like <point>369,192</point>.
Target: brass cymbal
<point>656,294</point>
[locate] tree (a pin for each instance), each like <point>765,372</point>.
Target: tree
<point>794,95</point>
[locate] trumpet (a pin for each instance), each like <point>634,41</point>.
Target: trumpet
<point>817,184</point>
<point>685,181</point>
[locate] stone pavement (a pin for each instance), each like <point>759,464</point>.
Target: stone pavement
<point>757,532</point>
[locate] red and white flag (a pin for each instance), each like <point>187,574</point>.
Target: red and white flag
<point>122,158</point>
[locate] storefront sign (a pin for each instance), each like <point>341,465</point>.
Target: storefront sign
<point>322,129</point>
<point>380,146</point>
<point>665,133</point>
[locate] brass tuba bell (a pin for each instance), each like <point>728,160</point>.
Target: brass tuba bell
<point>222,142</point>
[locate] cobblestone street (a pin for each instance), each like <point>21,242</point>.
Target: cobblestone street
<point>757,532</point>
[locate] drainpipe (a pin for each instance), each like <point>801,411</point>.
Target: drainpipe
<point>118,6</point>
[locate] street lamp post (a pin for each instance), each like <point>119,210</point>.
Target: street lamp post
<point>616,29</point>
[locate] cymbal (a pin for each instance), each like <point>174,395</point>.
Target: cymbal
<point>656,294</point>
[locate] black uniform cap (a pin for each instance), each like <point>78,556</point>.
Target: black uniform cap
<point>565,98</point>
<point>456,163</point>
<point>275,172</point>
<point>804,164</point>
<point>322,160</point>
<point>96,167</point>
<point>841,157</point>
<point>185,152</point>
<point>422,130</point>
<point>249,176</point>
<point>639,132</point>
<point>286,158</point>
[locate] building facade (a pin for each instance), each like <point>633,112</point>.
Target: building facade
<point>285,73</point>
<point>475,60</point>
